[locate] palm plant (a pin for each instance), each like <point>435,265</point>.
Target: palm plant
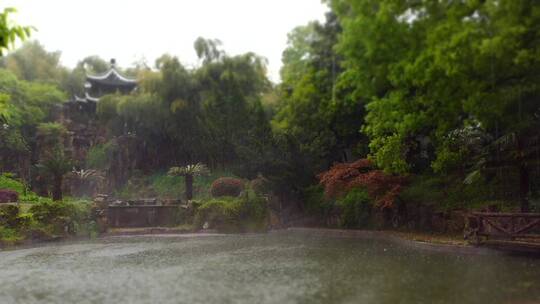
<point>189,172</point>
<point>86,179</point>
<point>54,167</point>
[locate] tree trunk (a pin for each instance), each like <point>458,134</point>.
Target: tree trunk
<point>189,186</point>
<point>524,187</point>
<point>57,189</point>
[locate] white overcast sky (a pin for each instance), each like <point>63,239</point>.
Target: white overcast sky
<point>130,30</point>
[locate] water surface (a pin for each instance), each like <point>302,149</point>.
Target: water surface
<point>284,267</point>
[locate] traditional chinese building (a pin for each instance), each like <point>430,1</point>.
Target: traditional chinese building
<point>79,114</point>
<point>108,83</point>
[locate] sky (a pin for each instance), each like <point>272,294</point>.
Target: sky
<point>134,30</point>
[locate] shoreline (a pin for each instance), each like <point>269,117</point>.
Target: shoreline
<point>399,238</point>
<point>420,241</point>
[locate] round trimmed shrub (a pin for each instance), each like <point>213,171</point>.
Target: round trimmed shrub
<point>227,186</point>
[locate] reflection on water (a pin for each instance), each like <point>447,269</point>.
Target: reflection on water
<point>283,267</point>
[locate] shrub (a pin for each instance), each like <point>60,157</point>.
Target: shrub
<point>9,215</point>
<point>260,185</point>
<point>168,186</point>
<point>226,186</point>
<point>7,181</point>
<point>9,235</point>
<point>355,209</point>
<point>220,213</point>
<point>99,156</point>
<point>315,201</point>
<point>7,196</point>
<point>343,177</point>
<point>61,217</point>
<point>234,214</point>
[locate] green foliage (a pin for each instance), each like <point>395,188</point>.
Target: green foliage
<point>32,62</point>
<point>55,165</point>
<point>9,33</point>
<point>356,208</point>
<point>8,181</point>
<point>446,193</point>
<point>9,216</point>
<point>23,106</point>
<point>315,113</point>
<point>207,49</point>
<point>99,156</point>
<point>193,170</point>
<point>162,185</point>
<point>415,91</point>
<point>63,217</point>
<point>9,235</point>
<point>239,214</point>
<point>51,135</point>
<point>315,201</point>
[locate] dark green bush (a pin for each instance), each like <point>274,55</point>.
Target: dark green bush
<point>9,216</point>
<point>315,202</point>
<point>356,209</point>
<point>9,235</point>
<point>261,185</point>
<point>234,214</point>
<point>62,217</point>
<point>450,193</point>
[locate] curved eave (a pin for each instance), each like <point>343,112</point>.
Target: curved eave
<point>88,97</point>
<point>111,76</point>
<point>79,99</point>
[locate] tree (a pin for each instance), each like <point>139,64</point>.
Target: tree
<point>53,163</point>
<point>315,109</point>
<point>32,62</point>
<point>23,106</point>
<point>230,87</point>
<point>9,33</point>
<point>208,49</point>
<point>53,167</point>
<point>428,69</point>
<point>189,172</point>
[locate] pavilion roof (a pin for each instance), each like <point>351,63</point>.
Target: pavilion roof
<point>111,77</point>
<point>86,98</point>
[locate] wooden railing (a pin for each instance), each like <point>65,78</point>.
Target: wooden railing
<point>484,227</point>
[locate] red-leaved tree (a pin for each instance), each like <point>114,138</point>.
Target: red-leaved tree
<point>342,177</point>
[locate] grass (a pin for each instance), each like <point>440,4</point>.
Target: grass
<point>9,181</point>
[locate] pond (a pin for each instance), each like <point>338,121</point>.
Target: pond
<point>282,267</point>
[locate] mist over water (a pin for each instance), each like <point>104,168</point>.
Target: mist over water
<point>284,267</point>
